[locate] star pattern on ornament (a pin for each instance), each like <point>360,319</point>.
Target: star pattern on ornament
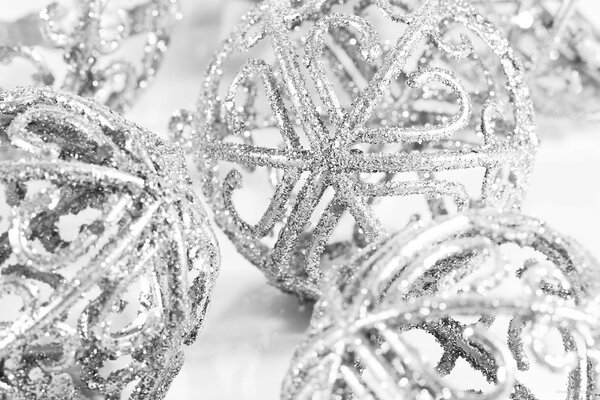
<point>330,154</point>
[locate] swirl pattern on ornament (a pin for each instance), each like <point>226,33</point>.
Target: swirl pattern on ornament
<point>465,281</point>
<point>104,245</point>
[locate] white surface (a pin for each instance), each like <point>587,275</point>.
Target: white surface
<point>252,329</point>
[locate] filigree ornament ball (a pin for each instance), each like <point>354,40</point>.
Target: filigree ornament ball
<point>107,259</point>
<point>106,49</point>
<point>507,306</point>
<point>560,46</point>
<point>336,115</point>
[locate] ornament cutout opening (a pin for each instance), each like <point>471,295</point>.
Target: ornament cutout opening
<point>109,50</point>
<point>341,120</point>
<point>451,291</point>
<point>107,259</point>
<point>560,47</point>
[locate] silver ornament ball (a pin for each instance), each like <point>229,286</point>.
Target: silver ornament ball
<point>341,113</point>
<point>106,49</point>
<point>560,46</point>
<point>107,259</point>
<point>475,306</point>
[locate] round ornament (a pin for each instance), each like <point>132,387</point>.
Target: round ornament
<point>507,306</point>
<point>106,49</point>
<point>342,113</point>
<point>560,47</point>
<point>107,259</point>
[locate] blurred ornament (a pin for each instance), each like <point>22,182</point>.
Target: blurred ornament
<point>339,117</point>
<point>96,39</point>
<point>464,282</point>
<point>107,258</point>
<point>560,47</point>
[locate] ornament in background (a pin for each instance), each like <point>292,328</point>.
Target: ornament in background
<point>107,258</point>
<point>110,49</point>
<point>341,108</point>
<point>560,47</point>
<point>512,305</point>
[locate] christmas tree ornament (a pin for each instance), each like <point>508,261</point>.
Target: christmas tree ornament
<point>107,258</point>
<point>508,306</point>
<point>351,111</point>
<point>560,47</point>
<point>106,49</point>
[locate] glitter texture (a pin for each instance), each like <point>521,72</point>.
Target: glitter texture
<point>509,275</point>
<point>107,259</point>
<point>92,43</point>
<point>560,47</point>
<point>369,100</point>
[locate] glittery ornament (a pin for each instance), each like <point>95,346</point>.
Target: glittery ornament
<point>501,297</point>
<point>560,47</point>
<point>98,40</point>
<point>344,106</point>
<point>107,259</point>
